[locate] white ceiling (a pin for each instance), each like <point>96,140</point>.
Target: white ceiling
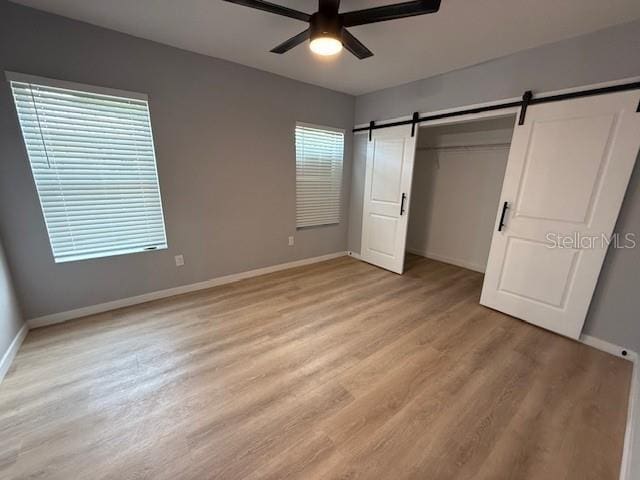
<point>462,33</point>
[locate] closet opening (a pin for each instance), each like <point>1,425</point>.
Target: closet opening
<point>457,181</point>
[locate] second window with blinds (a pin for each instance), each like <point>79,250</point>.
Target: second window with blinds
<point>319,158</point>
<point>93,162</point>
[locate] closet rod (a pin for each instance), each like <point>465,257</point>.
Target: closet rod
<point>527,99</point>
<point>464,147</point>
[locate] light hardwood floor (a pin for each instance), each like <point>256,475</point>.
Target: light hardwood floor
<point>334,370</point>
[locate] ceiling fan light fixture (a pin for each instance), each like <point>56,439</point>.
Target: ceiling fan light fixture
<point>325,46</point>
<point>325,33</point>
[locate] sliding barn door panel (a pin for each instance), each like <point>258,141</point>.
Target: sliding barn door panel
<point>390,158</point>
<point>386,183</point>
<point>567,173</point>
<point>565,160</point>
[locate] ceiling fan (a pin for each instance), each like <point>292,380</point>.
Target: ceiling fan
<point>328,29</point>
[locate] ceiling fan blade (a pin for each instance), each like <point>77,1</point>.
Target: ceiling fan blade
<point>329,6</point>
<point>389,12</point>
<point>292,42</point>
<point>272,8</point>
<point>354,45</point>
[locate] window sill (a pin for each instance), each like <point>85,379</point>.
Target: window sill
<point>125,251</point>
<point>310,227</point>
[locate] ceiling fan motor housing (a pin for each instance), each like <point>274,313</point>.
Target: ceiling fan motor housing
<point>323,24</point>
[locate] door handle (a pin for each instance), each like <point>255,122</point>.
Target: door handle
<point>404,197</point>
<point>505,207</point>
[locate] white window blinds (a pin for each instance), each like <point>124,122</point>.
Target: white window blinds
<point>93,162</point>
<point>319,153</point>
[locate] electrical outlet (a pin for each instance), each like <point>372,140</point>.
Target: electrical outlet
<point>179,260</point>
<point>291,241</point>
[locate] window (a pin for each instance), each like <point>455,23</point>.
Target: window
<point>319,152</point>
<point>93,162</point>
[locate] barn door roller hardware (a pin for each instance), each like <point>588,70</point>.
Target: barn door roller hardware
<point>527,100</point>
<point>416,119</point>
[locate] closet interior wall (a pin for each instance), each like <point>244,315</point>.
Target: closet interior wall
<point>457,181</point>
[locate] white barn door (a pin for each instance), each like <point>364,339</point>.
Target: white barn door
<point>387,190</point>
<point>567,173</point>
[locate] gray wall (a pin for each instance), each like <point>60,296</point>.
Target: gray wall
<point>615,309</point>
<point>605,55</point>
<point>602,56</point>
<point>225,153</point>
<point>10,316</point>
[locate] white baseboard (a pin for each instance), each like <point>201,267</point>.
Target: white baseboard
<point>147,297</point>
<point>608,347</point>
<point>354,255</point>
<point>10,354</point>
<point>453,261</point>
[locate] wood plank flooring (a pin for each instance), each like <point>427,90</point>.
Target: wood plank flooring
<point>334,370</point>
